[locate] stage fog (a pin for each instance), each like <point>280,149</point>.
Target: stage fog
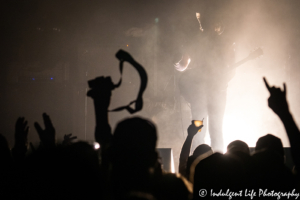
<point>53,48</point>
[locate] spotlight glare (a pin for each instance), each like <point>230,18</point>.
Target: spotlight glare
<point>96,145</point>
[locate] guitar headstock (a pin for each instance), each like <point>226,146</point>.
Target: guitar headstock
<point>255,54</point>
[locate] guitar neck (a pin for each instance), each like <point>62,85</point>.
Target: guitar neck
<point>235,65</point>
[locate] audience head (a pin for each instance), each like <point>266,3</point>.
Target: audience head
<point>201,149</point>
<point>270,142</point>
<point>70,172</point>
<point>134,142</point>
<point>174,186</point>
<point>217,172</point>
<point>201,152</point>
<point>238,146</point>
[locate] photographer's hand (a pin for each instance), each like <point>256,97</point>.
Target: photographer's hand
<point>101,89</point>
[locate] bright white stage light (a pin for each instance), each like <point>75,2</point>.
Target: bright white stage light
<point>96,145</point>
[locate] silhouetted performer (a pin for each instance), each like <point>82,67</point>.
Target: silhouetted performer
<point>205,76</point>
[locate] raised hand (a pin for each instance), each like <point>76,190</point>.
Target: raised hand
<point>186,147</point>
<point>278,103</point>
<point>21,133</point>
<point>21,142</point>
<point>192,129</point>
<point>68,139</point>
<point>47,136</point>
<point>277,100</point>
<point>101,88</point>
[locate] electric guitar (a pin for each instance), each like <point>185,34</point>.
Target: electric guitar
<point>255,54</point>
<point>191,81</point>
<point>186,84</point>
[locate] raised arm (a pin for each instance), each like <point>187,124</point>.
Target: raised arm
<point>101,88</point>
<point>186,148</point>
<point>278,103</point>
<point>21,134</point>
<point>47,135</point>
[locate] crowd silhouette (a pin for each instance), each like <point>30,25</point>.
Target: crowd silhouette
<point>128,166</point>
